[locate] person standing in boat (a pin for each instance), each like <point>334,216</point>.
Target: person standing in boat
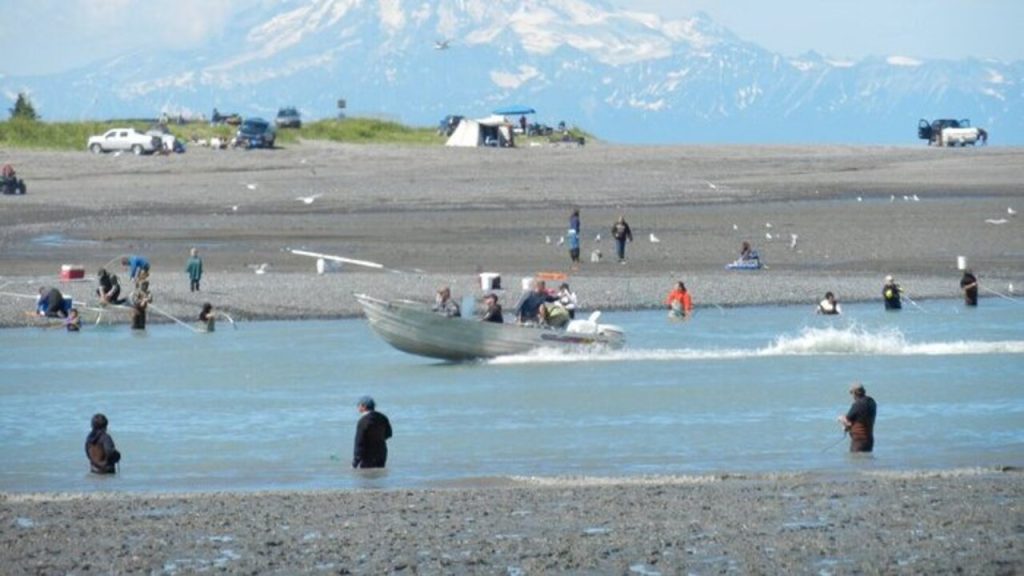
<point>680,305</point>
<point>443,303</point>
<point>859,421</point>
<point>528,309</point>
<point>891,294</point>
<point>372,433</point>
<point>829,306</point>
<point>567,298</point>
<point>492,310</point>
<point>969,286</point>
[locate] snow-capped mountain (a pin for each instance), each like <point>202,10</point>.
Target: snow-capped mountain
<point>626,76</point>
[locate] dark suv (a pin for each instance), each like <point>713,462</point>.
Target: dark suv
<point>288,118</point>
<point>256,133</point>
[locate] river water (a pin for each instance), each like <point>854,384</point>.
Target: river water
<point>271,405</point>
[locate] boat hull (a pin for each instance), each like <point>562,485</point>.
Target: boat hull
<point>413,327</point>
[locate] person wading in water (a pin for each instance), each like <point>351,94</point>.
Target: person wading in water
<point>859,421</point>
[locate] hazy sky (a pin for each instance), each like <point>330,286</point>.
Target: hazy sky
<point>43,36</point>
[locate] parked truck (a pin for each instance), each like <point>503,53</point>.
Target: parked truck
<point>950,132</point>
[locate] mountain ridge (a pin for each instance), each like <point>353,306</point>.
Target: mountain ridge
<point>627,76</point>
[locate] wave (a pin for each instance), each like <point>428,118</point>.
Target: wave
<point>830,341</point>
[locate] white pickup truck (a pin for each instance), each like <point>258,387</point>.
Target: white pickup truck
<point>949,132</point>
<point>124,139</point>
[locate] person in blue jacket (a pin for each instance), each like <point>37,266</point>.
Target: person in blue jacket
<point>135,265</point>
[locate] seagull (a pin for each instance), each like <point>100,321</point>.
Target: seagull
<point>997,221</point>
<point>654,239</point>
<point>915,198</point>
<point>547,239</point>
<point>597,238</point>
<point>860,199</point>
<point>792,241</point>
<point>234,208</point>
<point>892,198</point>
<point>711,185</point>
<point>561,240</point>
<point>250,186</point>
<point>1010,288</point>
<point>442,44</point>
<point>116,154</point>
<point>768,235</point>
<point>735,227</point>
<point>261,269</point>
<point>906,198</point>
<point>767,224</point>
<point>309,199</point>
<point>1011,211</point>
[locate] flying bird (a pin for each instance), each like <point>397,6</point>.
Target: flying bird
<point>654,239</point>
<point>711,185</point>
<point>309,199</point>
<point>442,44</point>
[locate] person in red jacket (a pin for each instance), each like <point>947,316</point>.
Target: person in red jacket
<point>679,303</point>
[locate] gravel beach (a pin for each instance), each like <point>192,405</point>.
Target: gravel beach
<point>959,522</point>
<point>436,216</point>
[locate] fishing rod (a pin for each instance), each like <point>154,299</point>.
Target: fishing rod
<point>231,320</point>
<point>911,300</point>
<point>163,313</point>
<point>997,293</point>
<point>836,443</point>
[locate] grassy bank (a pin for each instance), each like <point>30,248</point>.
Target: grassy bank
<point>74,135</point>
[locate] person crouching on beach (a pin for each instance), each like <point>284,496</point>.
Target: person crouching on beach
<point>859,421</point>
<point>372,433</point>
<point>680,305</point>
<point>99,448</point>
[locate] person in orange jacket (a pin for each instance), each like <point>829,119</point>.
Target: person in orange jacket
<point>679,303</point>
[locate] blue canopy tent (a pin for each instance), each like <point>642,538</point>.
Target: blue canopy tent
<point>514,110</point>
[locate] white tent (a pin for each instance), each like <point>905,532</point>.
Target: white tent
<point>490,131</point>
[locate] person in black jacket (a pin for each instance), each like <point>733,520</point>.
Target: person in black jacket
<point>372,433</point>
<point>99,448</point>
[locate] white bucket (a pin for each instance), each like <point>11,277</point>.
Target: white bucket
<point>324,266</point>
<point>961,262</point>
<point>490,281</point>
